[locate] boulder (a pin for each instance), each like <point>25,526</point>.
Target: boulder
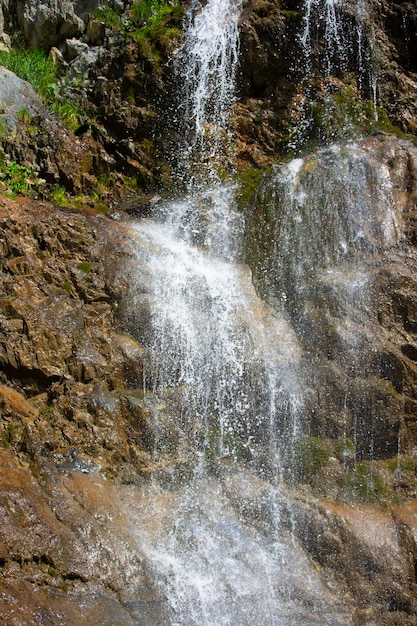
<point>16,95</point>
<point>49,23</point>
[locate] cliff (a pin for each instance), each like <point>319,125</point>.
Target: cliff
<point>76,425</point>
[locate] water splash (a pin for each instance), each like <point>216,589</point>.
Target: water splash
<point>324,15</point>
<point>232,358</point>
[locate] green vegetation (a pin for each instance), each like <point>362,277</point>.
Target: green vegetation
<point>80,202</point>
<point>5,440</point>
<point>34,67</point>
<point>37,68</point>
<point>154,16</point>
<point>365,485</point>
<point>17,179</point>
<point>373,482</point>
<point>84,266</point>
<point>311,454</point>
<point>46,410</point>
<point>109,16</point>
<point>67,287</point>
<point>249,181</point>
<point>153,24</point>
<point>345,115</point>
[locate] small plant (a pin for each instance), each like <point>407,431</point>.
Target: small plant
<point>67,287</point>
<point>67,112</point>
<point>18,179</point>
<point>24,115</point>
<point>59,196</point>
<point>155,26</point>
<point>46,410</point>
<point>109,17</point>
<point>153,15</point>
<point>5,440</point>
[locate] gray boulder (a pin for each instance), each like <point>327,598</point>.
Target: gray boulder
<point>48,23</point>
<point>16,95</point>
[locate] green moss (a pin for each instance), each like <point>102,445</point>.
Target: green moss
<point>80,202</point>
<point>249,181</point>
<point>153,24</point>
<point>403,464</point>
<point>343,448</point>
<point>365,485</point>
<point>5,440</point>
<point>216,444</point>
<point>291,15</point>
<point>84,266</point>
<point>345,115</point>
<point>310,454</point>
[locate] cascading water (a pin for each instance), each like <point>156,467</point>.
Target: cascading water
<point>223,378</point>
<point>336,40</point>
<point>207,64</point>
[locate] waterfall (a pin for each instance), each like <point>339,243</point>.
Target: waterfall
<point>338,70</point>
<point>210,335</point>
<point>207,65</point>
<point>334,38</point>
<point>223,382</point>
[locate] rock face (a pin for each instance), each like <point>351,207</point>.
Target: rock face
<point>75,423</point>
<point>48,24</point>
<point>314,254</point>
<point>55,292</point>
<point>17,94</point>
<point>290,77</point>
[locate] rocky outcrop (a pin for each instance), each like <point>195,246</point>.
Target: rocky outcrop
<point>292,92</point>
<point>348,288</point>
<point>287,93</point>
<point>60,347</point>
<point>48,24</point>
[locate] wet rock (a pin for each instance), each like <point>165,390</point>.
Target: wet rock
<point>59,342</point>
<point>359,338</point>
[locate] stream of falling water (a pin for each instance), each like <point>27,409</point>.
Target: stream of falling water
<point>225,370</point>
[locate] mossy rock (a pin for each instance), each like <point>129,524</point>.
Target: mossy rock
<point>310,455</point>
